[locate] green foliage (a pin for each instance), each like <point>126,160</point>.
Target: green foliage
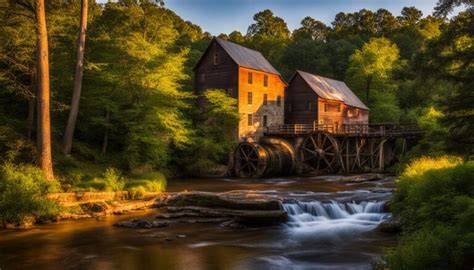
<point>216,134</point>
<point>139,186</point>
<point>435,201</point>
<point>23,191</point>
<point>370,75</point>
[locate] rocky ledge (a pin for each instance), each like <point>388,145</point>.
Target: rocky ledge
<point>230,209</point>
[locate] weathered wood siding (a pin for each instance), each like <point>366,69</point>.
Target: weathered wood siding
<point>273,111</point>
<point>298,109</point>
<point>298,96</point>
<point>224,75</point>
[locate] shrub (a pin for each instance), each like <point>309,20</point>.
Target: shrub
<point>23,191</point>
<point>150,182</point>
<point>112,180</point>
<point>435,201</point>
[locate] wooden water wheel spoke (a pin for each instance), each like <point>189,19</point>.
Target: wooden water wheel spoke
<point>320,152</point>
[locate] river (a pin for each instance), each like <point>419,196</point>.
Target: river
<point>331,226</point>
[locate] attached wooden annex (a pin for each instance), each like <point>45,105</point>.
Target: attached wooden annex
<point>316,100</point>
<point>246,75</point>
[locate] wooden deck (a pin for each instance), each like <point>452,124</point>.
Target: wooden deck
<point>359,130</point>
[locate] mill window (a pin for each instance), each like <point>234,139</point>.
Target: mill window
<point>278,101</point>
<point>216,58</point>
<point>250,78</point>
<point>230,92</point>
<point>309,105</point>
<point>265,80</point>
<point>249,98</point>
<point>265,99</point>
<point>326,107</point>
<point>338,107</point>
<point>250,119</point>
<point>265,121</point>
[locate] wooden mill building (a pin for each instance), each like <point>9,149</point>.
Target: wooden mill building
<point>315,100</point>
<point>246,75</point>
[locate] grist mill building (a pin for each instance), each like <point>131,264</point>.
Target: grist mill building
<point>316,100</point>
<point>247,76</point>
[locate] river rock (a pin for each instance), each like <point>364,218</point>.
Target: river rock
<point>254,217</point>
<point>141,223</point>
<point>229,200</point>
<point>93,207</point>
<point>393,225</point>
<point>361,178</point>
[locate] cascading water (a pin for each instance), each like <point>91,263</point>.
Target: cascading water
<point>331,220</point>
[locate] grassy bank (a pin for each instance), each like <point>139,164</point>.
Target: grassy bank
<point>435,202</point>
<point>24,189</point>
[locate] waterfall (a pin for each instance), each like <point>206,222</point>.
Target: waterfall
<point>333,219</point>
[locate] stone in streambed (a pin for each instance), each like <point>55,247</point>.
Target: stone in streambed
<point>392,225</point>
<point>240,201</point>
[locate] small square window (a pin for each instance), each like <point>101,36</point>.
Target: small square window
<point>265,121</point>
<point>250,119</point>
<point>265,80</point>
<point>265,99</point>
<point>278,101</point>
<point>249,98</point>
<point>250,78</point>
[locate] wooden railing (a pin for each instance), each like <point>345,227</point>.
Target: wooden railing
<point>377,129</point>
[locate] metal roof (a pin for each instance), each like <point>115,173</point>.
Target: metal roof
<point>332,89</point>
<point>246,57</point>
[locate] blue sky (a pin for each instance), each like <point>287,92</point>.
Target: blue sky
<point>224,16</point>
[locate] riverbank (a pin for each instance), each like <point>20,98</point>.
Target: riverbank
<point>308,240</point>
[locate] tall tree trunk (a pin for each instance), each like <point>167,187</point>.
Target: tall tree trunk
<point>76,94</point>
<point>44,122</point>
<point>106,134</point>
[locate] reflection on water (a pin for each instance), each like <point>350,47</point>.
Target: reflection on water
<point>327,230</point>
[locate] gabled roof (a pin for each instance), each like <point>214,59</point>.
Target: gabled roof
<point>331,89</point>
<point>244,57</point>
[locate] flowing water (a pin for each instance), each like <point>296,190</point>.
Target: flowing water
<point>331,226</point>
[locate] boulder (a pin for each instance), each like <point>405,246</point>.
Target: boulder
<point>392,225</point>
<point>230,200</point>
<point>361,178</point>
<point>141,223</point>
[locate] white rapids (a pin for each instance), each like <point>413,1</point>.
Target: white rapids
<point>333,220</point>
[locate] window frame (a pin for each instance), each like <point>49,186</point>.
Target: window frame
<point>278,101</point>
<point>216,58</point>
<point>250,119</point>
<point>250,77</point>
<point>265,120</point>
<point>265,80</point>
<point>249,98</point>
<point>265,99</point>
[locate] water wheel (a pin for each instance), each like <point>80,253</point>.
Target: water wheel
<point>320,152</point>
<point>250,160</point>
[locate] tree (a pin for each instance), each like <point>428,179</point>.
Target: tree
<point>44,123</point>
<point>410,16</point>
<point>76,94</point>
<point>451,57</point>
<point>268,25</point>
<point>371,64</point>
<point>444,7</point>
<point>311,29</point>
